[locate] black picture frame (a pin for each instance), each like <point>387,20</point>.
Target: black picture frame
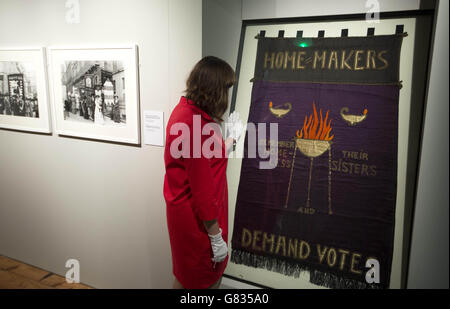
<point>423,42</point>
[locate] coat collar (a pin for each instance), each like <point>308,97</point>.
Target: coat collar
<point>191,104</point>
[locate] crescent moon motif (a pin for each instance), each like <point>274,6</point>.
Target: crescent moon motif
<point>353,119</point>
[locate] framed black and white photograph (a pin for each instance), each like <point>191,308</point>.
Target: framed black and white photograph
<point>95,92</point>
<point>23,90</point>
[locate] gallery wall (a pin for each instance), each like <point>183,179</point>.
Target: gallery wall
<point>100,203</point>
<point>429,260</point>
<point>259,9</point>
<point>222,23</point>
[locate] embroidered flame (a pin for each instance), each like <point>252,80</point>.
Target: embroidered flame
<point>313,128</point>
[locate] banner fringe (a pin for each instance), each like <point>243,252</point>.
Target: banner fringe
<point>293,269</point>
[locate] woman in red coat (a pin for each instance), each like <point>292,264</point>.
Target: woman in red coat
<point>195,184</point>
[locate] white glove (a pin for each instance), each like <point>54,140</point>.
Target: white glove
<point>234,126</point>
<point>219,247</point>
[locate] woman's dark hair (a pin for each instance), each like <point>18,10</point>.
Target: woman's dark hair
<point>208,85</point>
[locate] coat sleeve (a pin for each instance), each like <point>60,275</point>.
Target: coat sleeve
<point>201,182</point>
<point>202,187</point>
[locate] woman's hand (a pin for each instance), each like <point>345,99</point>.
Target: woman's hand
<point>229,142</point>
<point>219,247</point>
<point>234,129</point>
<point>234,126</point>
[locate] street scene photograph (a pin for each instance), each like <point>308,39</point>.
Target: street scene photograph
<point>18,94</point>
<point>94,92</point>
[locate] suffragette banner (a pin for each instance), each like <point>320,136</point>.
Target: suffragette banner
<point>328,207</point>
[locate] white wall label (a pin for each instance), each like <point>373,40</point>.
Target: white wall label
<point>154,128</point>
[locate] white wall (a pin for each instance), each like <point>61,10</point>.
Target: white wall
<point>222,26</point>
<point>222,29</point>
<point>429,246</point>
<point>258,9</point>
<point>100,203</point>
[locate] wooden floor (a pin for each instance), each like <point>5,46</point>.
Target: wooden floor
<point>17,275</point>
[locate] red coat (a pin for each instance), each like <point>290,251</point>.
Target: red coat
<point>195,190</point>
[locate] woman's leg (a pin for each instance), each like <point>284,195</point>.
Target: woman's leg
<point>177,285</point>
<point>217,284</point>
